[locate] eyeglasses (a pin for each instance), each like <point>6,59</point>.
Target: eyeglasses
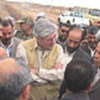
<point>64,31</point>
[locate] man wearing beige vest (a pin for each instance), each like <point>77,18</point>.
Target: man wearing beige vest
<point>45,59</point>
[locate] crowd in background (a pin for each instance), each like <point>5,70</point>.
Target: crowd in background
<point>40,60</point>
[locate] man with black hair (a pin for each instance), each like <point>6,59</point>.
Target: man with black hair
<point>91,37</point>
<point>62,33</point>
<point>26,30</point>
<point>8,42</point>
<point>78,77</point>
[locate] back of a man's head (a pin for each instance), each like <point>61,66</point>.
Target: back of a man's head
<point>13,79</point>
<point>79,75</point>
<point>77,31</point>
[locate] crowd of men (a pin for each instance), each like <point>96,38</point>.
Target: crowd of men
<point>44,61</point>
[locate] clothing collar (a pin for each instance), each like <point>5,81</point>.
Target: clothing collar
<point>72,54</point>
<point>36,46</point>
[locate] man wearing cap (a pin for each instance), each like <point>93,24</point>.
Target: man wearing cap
<point>26,29</point>
<point>40,15</point>
<point>45,59</point>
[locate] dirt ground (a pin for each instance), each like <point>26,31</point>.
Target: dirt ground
<point>21,10</point>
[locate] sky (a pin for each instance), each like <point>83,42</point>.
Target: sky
<point>66,3</point>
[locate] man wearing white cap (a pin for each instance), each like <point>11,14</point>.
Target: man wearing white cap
<point>40,15</point>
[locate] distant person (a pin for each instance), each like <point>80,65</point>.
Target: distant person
<point>8,42</point>
<point>91,36</point>
<point>40,15</point>
<point>78,79</point>
<point>84,42</point>
<point>62,34</point>
<point>26,29</point>
<point>14,81</point>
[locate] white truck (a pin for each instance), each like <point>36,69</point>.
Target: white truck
<point>72,18</point>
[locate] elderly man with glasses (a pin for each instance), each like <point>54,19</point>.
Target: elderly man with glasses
<point>45,59</point>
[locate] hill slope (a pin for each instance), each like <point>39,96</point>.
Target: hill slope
<point>19,10</point>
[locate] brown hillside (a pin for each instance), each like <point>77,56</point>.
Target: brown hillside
<point>19,10</point>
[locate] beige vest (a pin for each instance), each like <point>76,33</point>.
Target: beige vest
<point>32,55</point>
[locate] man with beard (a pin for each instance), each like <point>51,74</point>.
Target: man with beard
<point>62,34</point>
<point>91,37</point>
<point>26,29</point>
<point>8,42</point>
<point>72,50</point>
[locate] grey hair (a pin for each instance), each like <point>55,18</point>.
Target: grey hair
<point>12,87</point>
<point>43,27</point>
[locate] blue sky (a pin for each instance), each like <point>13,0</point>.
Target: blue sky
<point>66,3</point>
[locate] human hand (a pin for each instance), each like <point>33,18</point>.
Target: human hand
<point>34,70</point>
<point>57,66</point>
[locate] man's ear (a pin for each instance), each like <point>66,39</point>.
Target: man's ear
<point>25,94</point>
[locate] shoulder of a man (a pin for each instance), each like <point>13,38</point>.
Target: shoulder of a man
<point>28,43</point>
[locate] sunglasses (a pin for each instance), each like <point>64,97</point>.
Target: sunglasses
<point>64,31</point>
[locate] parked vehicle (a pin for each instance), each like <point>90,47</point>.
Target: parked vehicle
<point>72,18</point>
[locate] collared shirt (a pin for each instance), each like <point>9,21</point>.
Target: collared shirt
<point>68,57</point>
<point>44,75</point>
<point>7,48</point>
<point>92,51</point>
<point>97,77</point>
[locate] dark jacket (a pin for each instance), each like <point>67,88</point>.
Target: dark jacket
<point>95,92</point>
<point>75,96</point>
<point>81,55</point>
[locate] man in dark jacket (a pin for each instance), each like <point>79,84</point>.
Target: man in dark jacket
<point>72,49</point>
<point>95,92</point>
<point>78,77</point>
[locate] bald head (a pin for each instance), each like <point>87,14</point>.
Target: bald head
<point>13,79</point>
<point>74,38</point>
<point>8,66</point>
<point>76,33</point>
<point>3,53</point>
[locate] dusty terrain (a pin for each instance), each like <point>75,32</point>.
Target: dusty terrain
<point>19,10</point>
